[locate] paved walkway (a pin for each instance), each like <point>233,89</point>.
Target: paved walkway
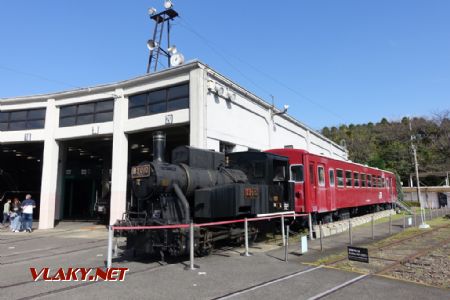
<point>225,274</point>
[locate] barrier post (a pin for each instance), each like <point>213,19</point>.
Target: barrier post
<point>191,247</point>
<point>311,235</point>
<point>373,226</point>
<point>404,221</point>
<point>321,236</point>
<point>246,238</point>
<point>110,246</point>
<point>350,237</point>
<point>415,217</point>
<point>390,224</point>
<point>282,230</point>
<point>431,213</point>
<point>286,248</point>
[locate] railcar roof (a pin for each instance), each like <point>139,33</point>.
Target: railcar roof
<point>291,151</point>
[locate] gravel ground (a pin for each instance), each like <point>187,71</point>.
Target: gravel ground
<point>432,269</point>
<point>423,259</point>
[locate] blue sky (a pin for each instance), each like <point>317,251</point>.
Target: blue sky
<point>334,62</point>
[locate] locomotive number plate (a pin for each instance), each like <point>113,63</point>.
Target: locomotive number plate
<point>140,171</point>
<point>250,193</point>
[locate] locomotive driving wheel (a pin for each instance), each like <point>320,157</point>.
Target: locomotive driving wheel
<point>203,243</point>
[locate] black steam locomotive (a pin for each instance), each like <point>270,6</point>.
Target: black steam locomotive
<point>202,186</point>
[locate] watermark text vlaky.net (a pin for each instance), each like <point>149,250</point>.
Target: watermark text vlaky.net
<point>79,274</point>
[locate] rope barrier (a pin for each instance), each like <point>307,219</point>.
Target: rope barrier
<point>176,226</point>
<point>191,226</point>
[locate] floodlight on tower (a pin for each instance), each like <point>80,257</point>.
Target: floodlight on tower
<point>151,45</point>
<point>168,4</point>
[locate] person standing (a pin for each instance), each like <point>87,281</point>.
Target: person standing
<point>27,212</point>
<point>16,216</point>
<point>6,211</point>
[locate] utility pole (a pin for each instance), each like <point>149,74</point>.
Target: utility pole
<point>416,165</point>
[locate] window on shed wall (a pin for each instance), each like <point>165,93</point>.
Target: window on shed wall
<point>331,176</point>
<point>356,179</point>
<point>369,180</point>
<point>363,180</point>
<point>297,173</point>
<point>321,174</point>
<point>22,119</point>
<point>348,178</point>
<point>159,101</point>
<point>340,177</point>
<point>86,113</point>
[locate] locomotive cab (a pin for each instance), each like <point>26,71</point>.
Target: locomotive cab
<point>270,170</point>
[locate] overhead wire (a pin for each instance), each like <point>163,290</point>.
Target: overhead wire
<point>210,44</point>
<point>50,80</point>
<point>225,59</point>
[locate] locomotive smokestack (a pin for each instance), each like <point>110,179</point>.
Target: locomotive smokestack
<point>159,146</point>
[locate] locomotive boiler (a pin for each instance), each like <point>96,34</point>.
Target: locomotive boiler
<point>201,186</point>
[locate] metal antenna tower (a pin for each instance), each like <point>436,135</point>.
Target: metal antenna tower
<point>162,22</point>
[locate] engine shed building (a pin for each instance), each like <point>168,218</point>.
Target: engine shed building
<point>71,148</point>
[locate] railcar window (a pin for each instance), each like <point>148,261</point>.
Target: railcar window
<point>379,184</point>
<point>321,173</point>
<point>356,179</point>
<point>297,173</point>
<point>383,182</point>
<point>363,180</point>
<point>374,181</point>
<point>331,175</point>
<point>340,177</point>
<point>348,178</point>
<point>369,180</point>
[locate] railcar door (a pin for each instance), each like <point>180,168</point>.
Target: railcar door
<point>321,191</point>
<point>299,193</point>
<point>312,187</point>
<point>331,193</point>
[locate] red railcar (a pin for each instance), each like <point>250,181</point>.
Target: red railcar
<point>332,189</point>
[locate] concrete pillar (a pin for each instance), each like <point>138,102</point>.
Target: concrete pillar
<point>198,108</point>
<point>119,158</point>
<point>59,206</point>
<point>49,168</point>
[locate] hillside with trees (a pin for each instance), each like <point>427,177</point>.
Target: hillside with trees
<point>387,144</point>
